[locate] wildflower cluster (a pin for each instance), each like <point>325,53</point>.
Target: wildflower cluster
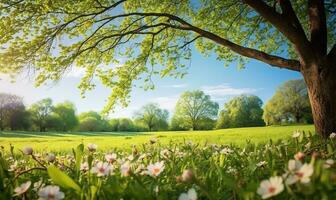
<point>301,167</point>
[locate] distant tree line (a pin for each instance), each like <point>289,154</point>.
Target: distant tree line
<point>193,111</point>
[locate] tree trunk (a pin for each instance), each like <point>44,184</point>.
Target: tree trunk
<point>321,83</point>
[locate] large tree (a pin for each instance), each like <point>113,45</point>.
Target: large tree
<point>289,103</point>
<point>50,37</point>
<point>194,110</point>
<point>41,112</point>
<point>241,111</point>
<point>153,117</point>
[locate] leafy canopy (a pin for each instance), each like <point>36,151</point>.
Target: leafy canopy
<point>289,103</point>
<point>153,117</point>
<point>194,110</point>
<point>126,42</point>
<point>241,111</point>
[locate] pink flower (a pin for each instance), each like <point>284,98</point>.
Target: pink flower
<point>155,169</point>
<point>101,169</point>
<point>22,188</point>
<point>271,187</point>
<point>50,192</point>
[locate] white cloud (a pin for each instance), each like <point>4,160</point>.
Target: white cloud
<point>127,112</point>
<point>223,90</point>
<point>167,102</point>
<point>177,86</point>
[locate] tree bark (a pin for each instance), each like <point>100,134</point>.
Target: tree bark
<point>320,78</point>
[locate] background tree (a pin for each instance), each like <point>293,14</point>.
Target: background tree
<point>67,113</point>
<point>159,33</point>
<point>19,118</point>
<point>114,124</point>
<point>40,111</point>
<point>89,124</point>
<point>153,117</point>
<point>241,111</point>
<point>93,121</point>
<point>125,124</point>
<point>8,104</point>
<point>13,114</point>
<point>290,103</point>
<point>54,122</point>
<point>193,109</point>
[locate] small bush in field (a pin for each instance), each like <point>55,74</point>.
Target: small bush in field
<point>301,167</point>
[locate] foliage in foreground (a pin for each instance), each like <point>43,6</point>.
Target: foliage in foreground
<point>302,167</point>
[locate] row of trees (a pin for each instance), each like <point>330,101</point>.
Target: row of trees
<point>194,111</point>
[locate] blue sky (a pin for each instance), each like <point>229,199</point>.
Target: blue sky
<point>205,73</point>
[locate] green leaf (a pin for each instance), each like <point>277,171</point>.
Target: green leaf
<point>78,155</point>
<point>62,179</point>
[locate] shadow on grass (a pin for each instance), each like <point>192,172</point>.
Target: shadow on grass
<point>26,134</point>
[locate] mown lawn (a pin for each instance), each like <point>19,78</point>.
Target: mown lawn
<point>54,141</point>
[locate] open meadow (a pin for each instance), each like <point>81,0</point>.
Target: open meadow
<point>57,141</point>
<point>167,100</point>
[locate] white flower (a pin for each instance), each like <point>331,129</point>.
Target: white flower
<point>308,145</point>
<point>302,175</point>
<point>190,195</point>
<point>332,135</point>
<point>84,166</point>
<point>155,169</point>
<point>111,157</point>
<point>226,151</point>
<point>261,164</point>
<point>13,167</point>
<point>22,188</point>
<point>27,151</point>
<point>294,165</point>
<point>328,163</point>
<point>232,170</point>
<point>130,157</point>
<point>50,157</point>
<point>165,153</point>
<point>296,134</point>
<point>299,155</point>
<point>140,169</point>
<point>271,187</point>
<point>101,169</point>
<point>38,185</point>
<point>125,169</point>
<point>50,192</point>
<point>92,147</point>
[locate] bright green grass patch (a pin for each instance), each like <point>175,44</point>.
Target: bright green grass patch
<point>53,141</point>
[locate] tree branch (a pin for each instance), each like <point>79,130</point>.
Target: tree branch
<point>244,51</point>
<point>276,19</point>
<point>289,12</point>
<point>318,26</point>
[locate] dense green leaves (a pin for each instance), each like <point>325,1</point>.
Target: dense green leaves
<point>123,43</point>
<point>153,117</point>
<point>289,104</point>
<point>241,111</point>
<point>194,110</point>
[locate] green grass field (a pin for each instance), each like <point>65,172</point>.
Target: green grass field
<point>52,141</point>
